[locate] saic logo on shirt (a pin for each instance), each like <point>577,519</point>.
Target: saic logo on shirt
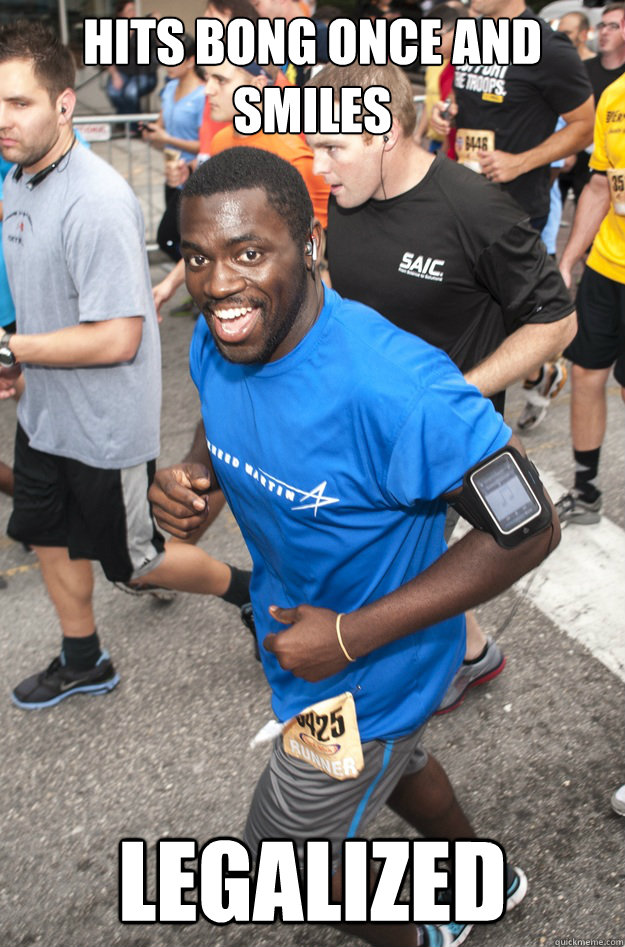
<point>425,267</point>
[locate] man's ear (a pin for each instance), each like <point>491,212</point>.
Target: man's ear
<point>392,136</point>
<point>315,247</point>
<point>260,81</point>
<point>65,105</point>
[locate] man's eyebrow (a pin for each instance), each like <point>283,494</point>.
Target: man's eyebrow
<point>232,242</point>
<point>188,245</point>
<point>244,238</point>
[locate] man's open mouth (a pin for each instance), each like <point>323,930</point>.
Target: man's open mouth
<point>234,324</point>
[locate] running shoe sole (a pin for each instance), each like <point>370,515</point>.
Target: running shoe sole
<point>101,687</point>
<point>518,892</point>
<point>161,595</point>
<point>484,679</point>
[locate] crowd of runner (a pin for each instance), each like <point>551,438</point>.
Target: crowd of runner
<point>293,248</point>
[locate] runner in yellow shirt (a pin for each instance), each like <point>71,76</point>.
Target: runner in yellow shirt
<point>600,340</point>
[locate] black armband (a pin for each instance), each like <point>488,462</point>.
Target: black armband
<point>503,495</point>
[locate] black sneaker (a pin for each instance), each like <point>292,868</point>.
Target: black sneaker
<point>58,681</point>
<point>247,617</point>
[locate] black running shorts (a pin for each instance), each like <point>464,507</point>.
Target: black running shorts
<point>600,339</point>
<point>95,514</point>
<point>293,800</point>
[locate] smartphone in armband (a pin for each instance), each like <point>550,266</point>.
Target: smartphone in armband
<point>503,495</point>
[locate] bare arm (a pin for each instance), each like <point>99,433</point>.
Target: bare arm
<point>89,343</point>
<point>474,570</point>
<point>593,205</point>
<point>502,166</point>
<point>522,351</point>
<point>168,286</point>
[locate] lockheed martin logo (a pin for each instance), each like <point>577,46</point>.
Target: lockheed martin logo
<point>308,499</point>
<point>312,499</point>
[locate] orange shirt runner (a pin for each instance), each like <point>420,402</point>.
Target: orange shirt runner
<point>291,148</point>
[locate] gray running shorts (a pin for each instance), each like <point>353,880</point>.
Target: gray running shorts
<point>293,800</point>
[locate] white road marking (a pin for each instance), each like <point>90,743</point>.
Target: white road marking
<point>581,586</point>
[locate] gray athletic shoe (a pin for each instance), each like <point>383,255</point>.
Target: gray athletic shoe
<point>163,596</point>
<point>618,800</point>
<point>571,508</point>
<point>470,675</point>
<point>540,394</point>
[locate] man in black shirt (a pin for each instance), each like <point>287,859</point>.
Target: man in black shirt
<point>445,255</point>
<point>602,70</point>
<point>521,105</point>
<point>606,68</point>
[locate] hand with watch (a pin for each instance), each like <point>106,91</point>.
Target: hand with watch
<point>9,369</point>
<point>7,358</point>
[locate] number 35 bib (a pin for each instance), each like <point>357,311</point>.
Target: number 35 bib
<point>616,180</point>
<point>326,736</point>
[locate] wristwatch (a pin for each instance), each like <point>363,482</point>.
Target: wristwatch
<point>7,358</point>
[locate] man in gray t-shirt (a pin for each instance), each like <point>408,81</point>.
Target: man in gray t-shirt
<point>88,344</point>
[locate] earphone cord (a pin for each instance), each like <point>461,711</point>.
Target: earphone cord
<point>381,173</point>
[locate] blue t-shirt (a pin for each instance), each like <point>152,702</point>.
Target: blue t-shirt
<point>183,118</point>
<point>7,309</point>
<point>333,460</point>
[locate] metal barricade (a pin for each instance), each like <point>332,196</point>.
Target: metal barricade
<point>419,101</point>
<point>112,138</point>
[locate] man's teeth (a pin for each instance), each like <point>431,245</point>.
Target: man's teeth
<point>232,313</point>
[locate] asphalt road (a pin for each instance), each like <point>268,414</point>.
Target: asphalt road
<point>534,756</point>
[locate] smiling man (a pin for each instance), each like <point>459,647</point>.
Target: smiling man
<point>221,83</point>
<point>331,458</point>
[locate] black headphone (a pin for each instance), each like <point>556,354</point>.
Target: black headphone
<point>385,138</point>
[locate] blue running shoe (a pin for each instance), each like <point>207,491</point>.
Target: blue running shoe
<point>517,889</point>
<point>457,933</point>
<point>58,681</point>
<point>435,935</point>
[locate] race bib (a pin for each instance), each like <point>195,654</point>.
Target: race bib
<point>616,180</point>
<point>470,142</point>
<point>326,736</point>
